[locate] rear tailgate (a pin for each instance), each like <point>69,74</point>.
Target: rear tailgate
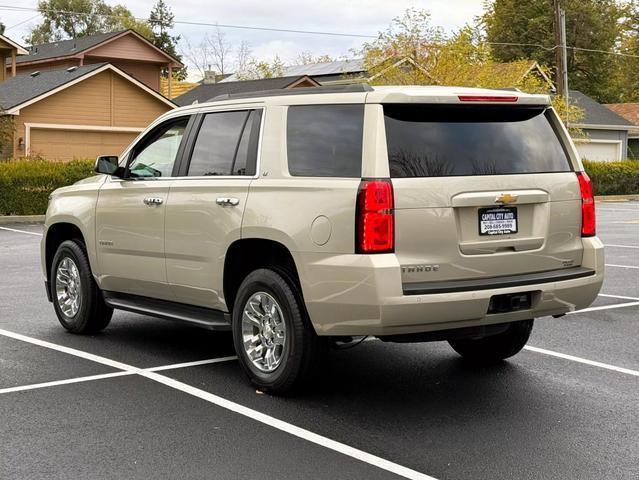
<point>481,191</point>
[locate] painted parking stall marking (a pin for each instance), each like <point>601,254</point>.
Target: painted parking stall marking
<point>234,407</point>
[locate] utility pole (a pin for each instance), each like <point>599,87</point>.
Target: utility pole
<point>561,56</point>
<point>564,54</point>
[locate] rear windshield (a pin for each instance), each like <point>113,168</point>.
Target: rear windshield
<point>451,140</point>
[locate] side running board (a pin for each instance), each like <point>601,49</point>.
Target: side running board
<point>203,317</point>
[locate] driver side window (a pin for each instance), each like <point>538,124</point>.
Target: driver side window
<point>155,155</point>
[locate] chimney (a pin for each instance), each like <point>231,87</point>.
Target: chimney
<point>209,77</point>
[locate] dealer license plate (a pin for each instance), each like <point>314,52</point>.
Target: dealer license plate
<point>498,221</point>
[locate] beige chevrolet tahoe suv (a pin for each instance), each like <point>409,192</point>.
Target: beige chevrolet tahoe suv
<point>307,218</point>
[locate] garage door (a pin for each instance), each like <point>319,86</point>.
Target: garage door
<point>54,144</point>
<point>600,151</point>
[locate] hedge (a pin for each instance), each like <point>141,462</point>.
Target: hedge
<point>614,178</point>
<point>25,184</point>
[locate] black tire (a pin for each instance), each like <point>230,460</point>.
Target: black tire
<point>92,314</point>
<point>494,348</point>
<point>302,347</point>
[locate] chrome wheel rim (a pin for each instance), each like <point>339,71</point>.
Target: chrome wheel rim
<point>263,332</point>
<point>68,287</point>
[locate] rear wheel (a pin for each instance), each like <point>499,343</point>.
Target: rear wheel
<point>77,300</point>
<point>494,348</point>
<point>273,337</point>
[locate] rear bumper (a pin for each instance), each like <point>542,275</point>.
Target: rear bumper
<point>363,295</point>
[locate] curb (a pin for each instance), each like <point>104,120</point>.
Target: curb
<point>5,220</point>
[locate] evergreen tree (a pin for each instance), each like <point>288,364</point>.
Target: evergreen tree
<point>161,21</point>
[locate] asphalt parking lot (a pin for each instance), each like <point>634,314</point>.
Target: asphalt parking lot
<point>149,398</point>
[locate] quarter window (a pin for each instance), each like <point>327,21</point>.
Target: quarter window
<point>325,140</point>
<point>226,144</point>
<point>155,155</point>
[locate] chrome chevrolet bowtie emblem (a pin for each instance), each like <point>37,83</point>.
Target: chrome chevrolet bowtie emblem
<point>506,198</point>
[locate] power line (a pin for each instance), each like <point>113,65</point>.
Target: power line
<point>594,50</point>
<point>22,22</point>
<point>513,44</point>
<point>200,24</point>
<point>287,30</point>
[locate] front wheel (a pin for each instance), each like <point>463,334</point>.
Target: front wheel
<point>273,337</point>
<point>77,300</point>
<point>494,348</point>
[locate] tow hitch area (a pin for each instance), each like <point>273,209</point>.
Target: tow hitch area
<point>510,302</point>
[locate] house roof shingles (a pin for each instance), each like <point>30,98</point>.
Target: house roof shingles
<point>22,88</point>
<point>595,113</point>
<point>207,91</point>
<point>338,67</point>
<point>629,111</point>
<point>65,48</point>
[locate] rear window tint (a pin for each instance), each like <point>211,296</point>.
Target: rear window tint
<point>325,140</point>
<point>441,141</point>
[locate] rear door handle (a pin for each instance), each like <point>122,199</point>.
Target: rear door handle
<point>227,201</point>
<point>153,201</point>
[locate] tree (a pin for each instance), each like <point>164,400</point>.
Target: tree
<point>2,27</point>
<point>214,52</point>
<point>590,24</point>
<point>256,69</point>
<point>62,19</point>
<point>413,52</point>
<point>307,58</point>
<point>411,40</point>
<point>161,20</point>
<point>626,81</point>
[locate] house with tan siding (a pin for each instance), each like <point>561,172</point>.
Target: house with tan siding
<point>127,50</point>
<point>83,97</point>
<point>78,112</point>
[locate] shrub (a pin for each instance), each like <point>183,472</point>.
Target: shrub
<point>25,184</point>
<point>614,178</point>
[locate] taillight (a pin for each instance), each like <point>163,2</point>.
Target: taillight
<point>375,220</point>
<point>588,218</point>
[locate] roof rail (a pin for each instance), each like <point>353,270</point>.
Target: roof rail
<point>350,88</point>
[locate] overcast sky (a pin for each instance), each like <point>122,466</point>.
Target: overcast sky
<point>365,17</point>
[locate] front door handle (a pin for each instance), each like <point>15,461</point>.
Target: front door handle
<point>150,201</point>
<point>227,201</point>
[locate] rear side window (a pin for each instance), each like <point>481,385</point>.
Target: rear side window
<point>325,140</point>
<point>442,141</point>
<point>226,144</point>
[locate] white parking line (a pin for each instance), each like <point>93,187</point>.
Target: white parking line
<point>191,364</point>
<point>620,246</point>
<point>67,381</point>
<point>585,361</point>
<point>235,407</point>
<point>20,231</point>
<point>605,307</point>
<point>621,266</point>
<point>621,297</point>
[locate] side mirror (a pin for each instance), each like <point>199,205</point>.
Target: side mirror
<point>108,165</point>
